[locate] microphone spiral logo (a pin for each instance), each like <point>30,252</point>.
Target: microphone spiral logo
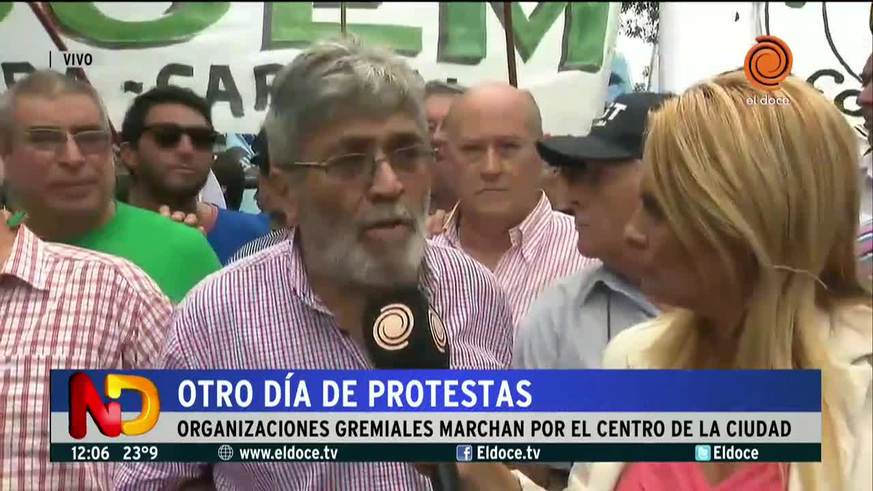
<point>393,327</point>
<point>768,63</point>
<point>438,331</point>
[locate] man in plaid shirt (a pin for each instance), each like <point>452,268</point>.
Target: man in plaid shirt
<point>62,307</point>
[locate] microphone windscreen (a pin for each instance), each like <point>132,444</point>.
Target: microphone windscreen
<point>402,331</point>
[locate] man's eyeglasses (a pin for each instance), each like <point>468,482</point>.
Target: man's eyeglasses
<point>168,135</point>
<point>54,139</point>
<point>361,167</point>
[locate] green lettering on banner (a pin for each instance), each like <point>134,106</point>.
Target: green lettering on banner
<point>529,31</point>
<point>290,25</point>
<point>462,37</point>
<point>584,36</point>
<point>5,8</point>
<point>89,25</point>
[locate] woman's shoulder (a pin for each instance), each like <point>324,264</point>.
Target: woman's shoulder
<point>626,349</point>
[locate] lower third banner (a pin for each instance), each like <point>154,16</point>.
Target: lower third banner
<point>437,452</point>
<point>435,416</point>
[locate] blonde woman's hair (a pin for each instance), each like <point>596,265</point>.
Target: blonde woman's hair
<point>774,187</point>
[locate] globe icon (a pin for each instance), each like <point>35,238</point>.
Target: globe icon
<point>225,452</point>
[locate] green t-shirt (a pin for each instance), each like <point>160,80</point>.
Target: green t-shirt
<point>175,256</point>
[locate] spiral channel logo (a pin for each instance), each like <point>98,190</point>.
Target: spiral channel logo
<point>438,331</point>
<point>393,327</point>
<point>768,63</point>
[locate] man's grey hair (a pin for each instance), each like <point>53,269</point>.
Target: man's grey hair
<point>439,87</point>
<point>42,83</point>
<point>338,79</point>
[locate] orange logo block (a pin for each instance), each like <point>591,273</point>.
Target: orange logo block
<point>768,63</point>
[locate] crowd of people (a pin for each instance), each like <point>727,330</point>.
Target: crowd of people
<point>688,231</point>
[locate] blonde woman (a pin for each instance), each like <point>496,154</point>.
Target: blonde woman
<point>748,223</point>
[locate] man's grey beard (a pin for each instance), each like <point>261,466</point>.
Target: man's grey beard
<point>333,249</point>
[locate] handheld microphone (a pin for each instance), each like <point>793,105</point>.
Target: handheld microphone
<point>402,331</point>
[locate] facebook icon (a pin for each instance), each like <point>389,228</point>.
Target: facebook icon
<point>464,453</point>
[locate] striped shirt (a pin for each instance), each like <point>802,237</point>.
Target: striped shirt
<point>865,252</point>
<point>261,313</point>
<point>543,250</point>
<point>63,308</point>
<point>253,246</point>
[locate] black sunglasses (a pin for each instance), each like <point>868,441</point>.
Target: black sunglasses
<point>168,135</point>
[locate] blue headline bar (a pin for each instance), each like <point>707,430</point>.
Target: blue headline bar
<point>465,390</point>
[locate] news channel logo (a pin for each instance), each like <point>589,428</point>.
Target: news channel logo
<point>464,453</point>
<point>768,63</point>
<point>702,453</point>
<point>84,399</point>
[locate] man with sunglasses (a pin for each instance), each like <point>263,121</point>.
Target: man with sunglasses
<point>56,143</point>
<point>347,130</point>
<point>168,145</point>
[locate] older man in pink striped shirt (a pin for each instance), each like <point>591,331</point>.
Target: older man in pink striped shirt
<point>347,133</point>
<point>504,219</point>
